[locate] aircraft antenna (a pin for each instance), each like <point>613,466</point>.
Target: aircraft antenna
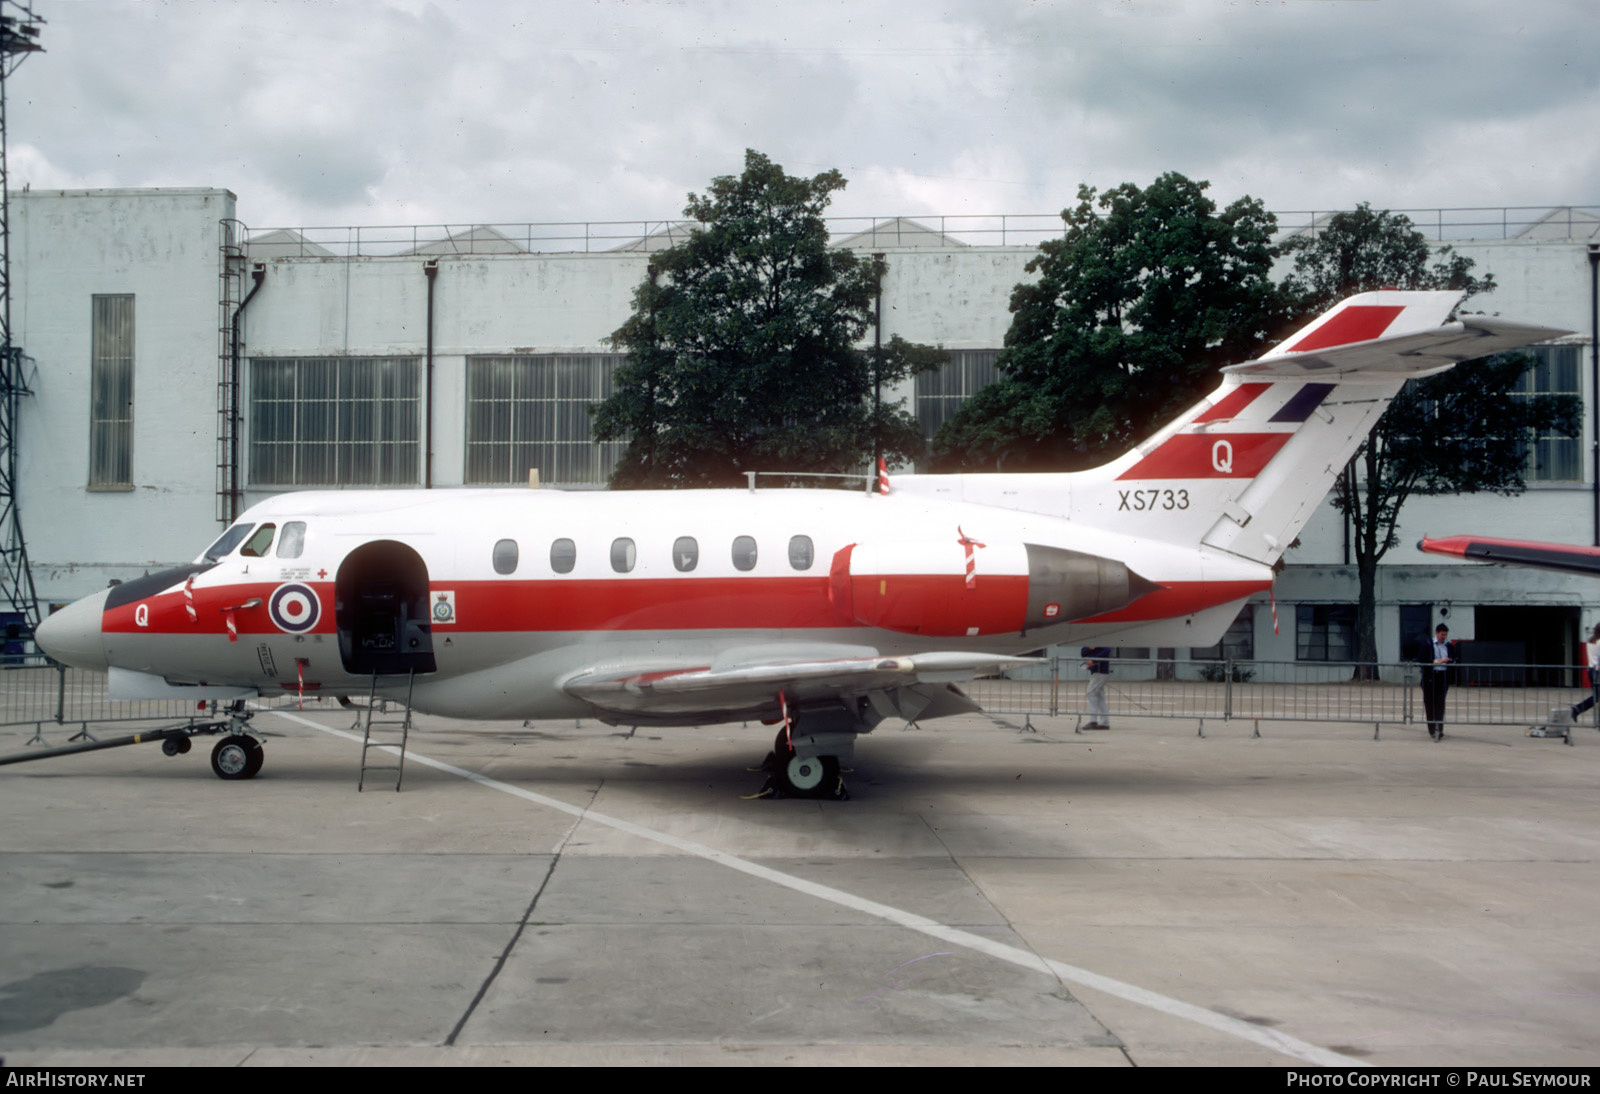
<point>19,602</point>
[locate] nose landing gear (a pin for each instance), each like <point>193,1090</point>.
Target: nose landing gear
<point>237,756</point>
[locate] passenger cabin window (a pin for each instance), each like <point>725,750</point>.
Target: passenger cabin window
<point>505,556</point>
<point>230,539</point>
<point>685,553</point>
<point>257,545</point>
<point>293,540</point>
<point>744,553</point>
<point>563,556</point>
<point>801,553</point>
<point>623,555</point>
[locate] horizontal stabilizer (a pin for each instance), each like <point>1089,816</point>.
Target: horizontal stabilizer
<point>1415,354</point>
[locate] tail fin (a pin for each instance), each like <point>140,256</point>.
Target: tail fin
<point>1243,471</point>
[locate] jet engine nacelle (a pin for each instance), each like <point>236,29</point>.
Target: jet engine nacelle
<point>968,588</point>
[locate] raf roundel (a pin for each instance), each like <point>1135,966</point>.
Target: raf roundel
<point>294,608</point>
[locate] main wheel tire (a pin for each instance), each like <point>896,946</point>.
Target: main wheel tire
<point>236,757</point>
<point>258,756</point>
<point>782,746</point>
<point>808,776</point>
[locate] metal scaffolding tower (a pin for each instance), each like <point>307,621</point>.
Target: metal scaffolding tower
<point>19,603</point>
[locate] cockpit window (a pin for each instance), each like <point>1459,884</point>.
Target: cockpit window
<point>259,542</point>
<point>230,539</point>
<point>293,540</point>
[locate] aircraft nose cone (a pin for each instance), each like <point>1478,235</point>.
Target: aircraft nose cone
<point>72,636</point>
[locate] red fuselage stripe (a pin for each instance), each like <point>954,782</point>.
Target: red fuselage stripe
<point>665,604</point>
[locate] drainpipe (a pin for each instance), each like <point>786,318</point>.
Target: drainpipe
<point>430,269</point>
<point>258,274</point>
<point>1594,380</point>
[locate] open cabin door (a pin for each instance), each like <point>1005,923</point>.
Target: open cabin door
<point>381,609</point>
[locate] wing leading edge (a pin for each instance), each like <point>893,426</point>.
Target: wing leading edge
<point>913,686</point>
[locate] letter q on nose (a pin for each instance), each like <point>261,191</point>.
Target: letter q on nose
<point>141,615</point>
<point>1222,457</point>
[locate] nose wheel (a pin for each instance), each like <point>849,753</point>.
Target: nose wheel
<point>237,756</point>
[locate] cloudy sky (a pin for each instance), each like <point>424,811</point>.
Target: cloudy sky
<point>368,112</point>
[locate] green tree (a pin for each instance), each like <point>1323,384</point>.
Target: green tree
<point>743,345</point>
<point>1363,250</point>
<point>1460,432</point>
<point>1146,294</point>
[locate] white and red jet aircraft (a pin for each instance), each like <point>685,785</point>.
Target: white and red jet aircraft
<point>824,610</point>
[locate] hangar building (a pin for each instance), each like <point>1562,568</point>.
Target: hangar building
<point>183,367</point>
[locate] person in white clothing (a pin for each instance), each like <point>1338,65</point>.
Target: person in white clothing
<point>1593,650</point>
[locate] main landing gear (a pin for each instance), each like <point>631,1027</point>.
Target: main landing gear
<point>791,774</point>
<point>805,763</point>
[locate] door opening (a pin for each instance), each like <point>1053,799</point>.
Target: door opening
<point>381,608</point>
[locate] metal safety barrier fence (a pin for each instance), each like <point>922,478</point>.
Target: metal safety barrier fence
<point>38,692</point>
<point>1301,691</point>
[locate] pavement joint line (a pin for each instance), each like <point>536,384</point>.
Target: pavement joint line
<point>1263,1036</point>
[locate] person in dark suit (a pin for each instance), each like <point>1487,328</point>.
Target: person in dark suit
<point>1437,658</point>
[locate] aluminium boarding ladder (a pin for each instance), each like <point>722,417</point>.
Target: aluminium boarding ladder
<point>394,747</point>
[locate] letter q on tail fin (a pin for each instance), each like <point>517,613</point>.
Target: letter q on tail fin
<point>1265,447</point>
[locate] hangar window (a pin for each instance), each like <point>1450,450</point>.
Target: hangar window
<point>293,540</point>
<point>939,393</point>
<point>505,556</point>
<point>1238,644</point>
<point>1324,632</point>
<point>531,412</point>
<point>563,556</point>
<point>685,553</point>
<point>744,553</point>
<point>258,545</point>
<point>335,421</point>
<point>801,553</point>
<point>1556,371</point>
<point>111,393</point>
<point>623,555</point>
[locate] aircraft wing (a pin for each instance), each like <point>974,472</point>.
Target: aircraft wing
<point>1417,353</point>
<point>917,685</point>
<point>1565,557</point>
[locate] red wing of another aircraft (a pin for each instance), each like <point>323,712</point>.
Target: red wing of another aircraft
<point>1566,557</point>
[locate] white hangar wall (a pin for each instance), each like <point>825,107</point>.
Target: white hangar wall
<point>161,248</point>
<point>164,249</point>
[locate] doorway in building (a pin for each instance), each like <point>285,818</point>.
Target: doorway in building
<point>381,608</point>
<point>1548,635</point>
<point>1416,629</point>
